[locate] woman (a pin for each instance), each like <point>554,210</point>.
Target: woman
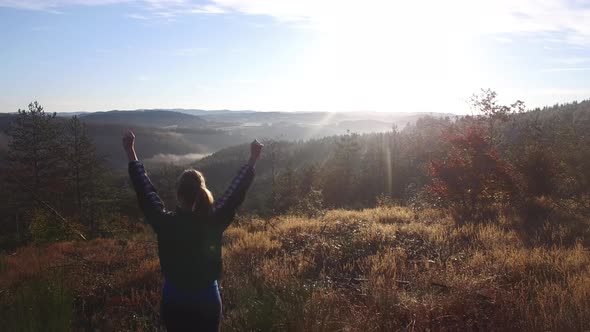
<point>189,239</point>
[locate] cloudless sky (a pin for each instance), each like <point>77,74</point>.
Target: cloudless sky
<point>299,55</point>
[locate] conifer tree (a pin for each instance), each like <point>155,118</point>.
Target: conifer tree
<point>34,151</point>
<point>340,174</point>
<point>285,193</point>
<point>84,171</point>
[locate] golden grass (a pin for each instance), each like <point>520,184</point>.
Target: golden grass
<point>394,269</point>
<point>382,269</point>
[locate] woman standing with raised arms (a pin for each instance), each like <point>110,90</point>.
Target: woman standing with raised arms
<point>189,239</point>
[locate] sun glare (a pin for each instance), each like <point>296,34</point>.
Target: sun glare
<point>383,60</point>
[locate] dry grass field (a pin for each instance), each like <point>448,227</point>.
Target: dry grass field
<point>381,269</point>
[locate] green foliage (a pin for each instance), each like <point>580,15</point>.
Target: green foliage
<point>45,227</point>
<point>311,205</point>
<point>39,304</point>
<point>84,172</point>
<point>34,151</point>
<point>117,226</point>
<point>384,200</point>
<point>340,175</point>
<point>492,113</point>
<point>164,177</point>
<point>53,163</point>
<point>350,171</point>
<point>285,193</point>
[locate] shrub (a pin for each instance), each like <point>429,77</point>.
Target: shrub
<point>311,205</point>
<point>472,180</point>
<point>45,228</point>
<point>539,169</point>
<point>116,226</point>
<point>383,200</point>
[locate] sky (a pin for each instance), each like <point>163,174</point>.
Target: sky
<point>283,55</point>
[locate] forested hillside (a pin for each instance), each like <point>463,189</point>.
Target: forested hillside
<point>504,158</point>
<point>152,118</point>
<point>545,152</point>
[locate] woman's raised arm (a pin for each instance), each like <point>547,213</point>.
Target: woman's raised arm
<point>225,207</point>
<point>149,202</point>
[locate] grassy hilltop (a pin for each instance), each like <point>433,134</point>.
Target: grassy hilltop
<point>380,269</point>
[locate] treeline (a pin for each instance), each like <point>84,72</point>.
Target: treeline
<point>503,164</point>
<point>54,183</point>
<point>528,167</point>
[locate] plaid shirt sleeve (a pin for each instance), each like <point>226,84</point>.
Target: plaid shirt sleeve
<point>149,201</point>
<point>225,207</point>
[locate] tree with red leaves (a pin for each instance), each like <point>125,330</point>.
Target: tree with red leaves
<point>472,180</point>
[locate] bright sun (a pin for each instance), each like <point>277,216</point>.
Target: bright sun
<point>382,59</point>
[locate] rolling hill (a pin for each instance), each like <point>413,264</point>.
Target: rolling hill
<point>145,118</point>
<point>182,136</point>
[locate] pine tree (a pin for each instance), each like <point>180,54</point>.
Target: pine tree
<point>285,191</point>
<point>309,179</point>
<point>34,152</point>
<point>274,155</point>
<point>85,171</point>
<point>340,174</point>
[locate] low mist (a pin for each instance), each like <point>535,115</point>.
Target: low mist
<point>176,159</point>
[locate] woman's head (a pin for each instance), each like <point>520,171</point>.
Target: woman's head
<point>192,192</point>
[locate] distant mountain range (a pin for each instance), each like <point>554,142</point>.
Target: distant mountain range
<point>148,118</point>
<point>225,118</point>
<point>181,134</point>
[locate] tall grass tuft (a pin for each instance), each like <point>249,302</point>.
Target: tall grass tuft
<point>39,304</point>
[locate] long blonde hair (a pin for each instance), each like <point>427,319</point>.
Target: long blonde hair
<point>192,191</point>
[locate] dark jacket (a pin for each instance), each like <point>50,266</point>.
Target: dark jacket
<point>189,244</point>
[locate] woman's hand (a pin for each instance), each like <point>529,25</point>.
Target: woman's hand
<point>255,151</point>
<point>129,145</point>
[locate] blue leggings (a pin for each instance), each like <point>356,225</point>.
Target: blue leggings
<point>184,310</point>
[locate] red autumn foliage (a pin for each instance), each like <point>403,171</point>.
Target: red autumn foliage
<point>472,180</point>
